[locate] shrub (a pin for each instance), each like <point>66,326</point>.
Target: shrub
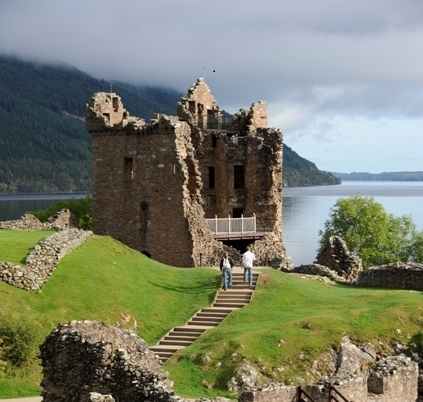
<point>17,342</point>
<point>81,208</point>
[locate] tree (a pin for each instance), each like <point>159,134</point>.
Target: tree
<point>371,233</point>
<point>81,208</point>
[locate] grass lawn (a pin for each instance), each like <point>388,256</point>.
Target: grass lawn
<point>288,325</point>
<point>290,322</point>
<point>105,281</point>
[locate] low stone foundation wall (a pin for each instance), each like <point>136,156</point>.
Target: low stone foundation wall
<point>392,379</point>
<point>64,219</point>
<point>43,260</point>
<point>316,270</point>
<point>272,393</point>
<point>396,276</point>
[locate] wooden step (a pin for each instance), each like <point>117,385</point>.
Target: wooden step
<point>182,337</point>
<point>203,323</point>
<point>217,310</point>
<point>179,342</point>
<point>234,295</point>
<point>233,305</point>
<point>211,314</point>
<point>189,329</point>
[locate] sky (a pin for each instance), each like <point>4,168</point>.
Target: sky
<point>343,80</point>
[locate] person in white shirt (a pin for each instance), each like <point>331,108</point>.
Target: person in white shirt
<point>248,259</point>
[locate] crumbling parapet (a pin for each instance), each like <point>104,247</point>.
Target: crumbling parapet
<point>258,115</point>
<point>105,110</point>
<point>199,107</point>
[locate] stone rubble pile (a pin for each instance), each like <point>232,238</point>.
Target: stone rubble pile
<point>89,361</point>
<point>394,375</point>
<point>336,256</point>
<point>390,379</point>
<point>315,269</point>
<point>62,220</point>
<point>43,260</point>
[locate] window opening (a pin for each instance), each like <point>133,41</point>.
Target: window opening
<point>214,141</point>
<point>129,168</point>
<point>239,176</point>
<point>211,177</point>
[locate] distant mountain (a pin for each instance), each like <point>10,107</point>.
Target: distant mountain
<point>44,146</point>
<point>384,176</point>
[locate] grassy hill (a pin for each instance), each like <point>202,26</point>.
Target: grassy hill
<point>290,323</point>
<point>44,146</point>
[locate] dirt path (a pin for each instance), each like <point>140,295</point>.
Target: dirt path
<point>33,399</point>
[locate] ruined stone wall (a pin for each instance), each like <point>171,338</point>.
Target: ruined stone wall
<point>272,393</point>
<point>258,115</point>
<point>393,379</point>
<point>261,155</point>
<point>397,276</point>
<point>62,220</point>
<point>88,361</point>
<point>43,260</point>
<point>146,191</point>
<point>199,107</point>
<point>336,256</point>
<point>151,182</point>
<point>83,357</point>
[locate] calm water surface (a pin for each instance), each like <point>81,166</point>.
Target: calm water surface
<point>305,209</point>
<point>13,206</point>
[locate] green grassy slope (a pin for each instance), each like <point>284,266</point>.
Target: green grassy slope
<point>105,281</point>
<point>290,323</point>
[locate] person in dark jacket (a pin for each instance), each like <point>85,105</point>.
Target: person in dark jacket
<point>226,264</point>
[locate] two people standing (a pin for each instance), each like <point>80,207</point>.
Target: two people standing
<point>227,263</point>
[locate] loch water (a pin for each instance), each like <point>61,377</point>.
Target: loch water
<point>305,209</point>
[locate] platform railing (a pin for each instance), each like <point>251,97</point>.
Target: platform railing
<point>232,225</point>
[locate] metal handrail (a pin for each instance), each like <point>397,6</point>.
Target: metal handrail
<point>333,398</point>
<point>301,393</point>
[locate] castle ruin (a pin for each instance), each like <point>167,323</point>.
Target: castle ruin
<point>156,185</point>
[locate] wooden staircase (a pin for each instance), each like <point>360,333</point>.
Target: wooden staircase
<point>225,302</point>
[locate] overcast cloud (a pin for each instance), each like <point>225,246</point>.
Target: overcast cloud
<point>342,80</point>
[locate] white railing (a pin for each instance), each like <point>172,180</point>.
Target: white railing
<point>232,225</point>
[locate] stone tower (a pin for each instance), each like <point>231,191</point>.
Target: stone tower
<point>155,184</point>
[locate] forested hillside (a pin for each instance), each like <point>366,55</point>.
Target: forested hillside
<point>300,172</point>
<point>44,146</point>
<point>384,176</point>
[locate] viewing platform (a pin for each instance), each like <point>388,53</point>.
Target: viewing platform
<point>235,228</point>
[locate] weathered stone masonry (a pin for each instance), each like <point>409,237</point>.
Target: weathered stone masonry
<point>83,359</point>
<point>43,260</point>
<point>155,184</point>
